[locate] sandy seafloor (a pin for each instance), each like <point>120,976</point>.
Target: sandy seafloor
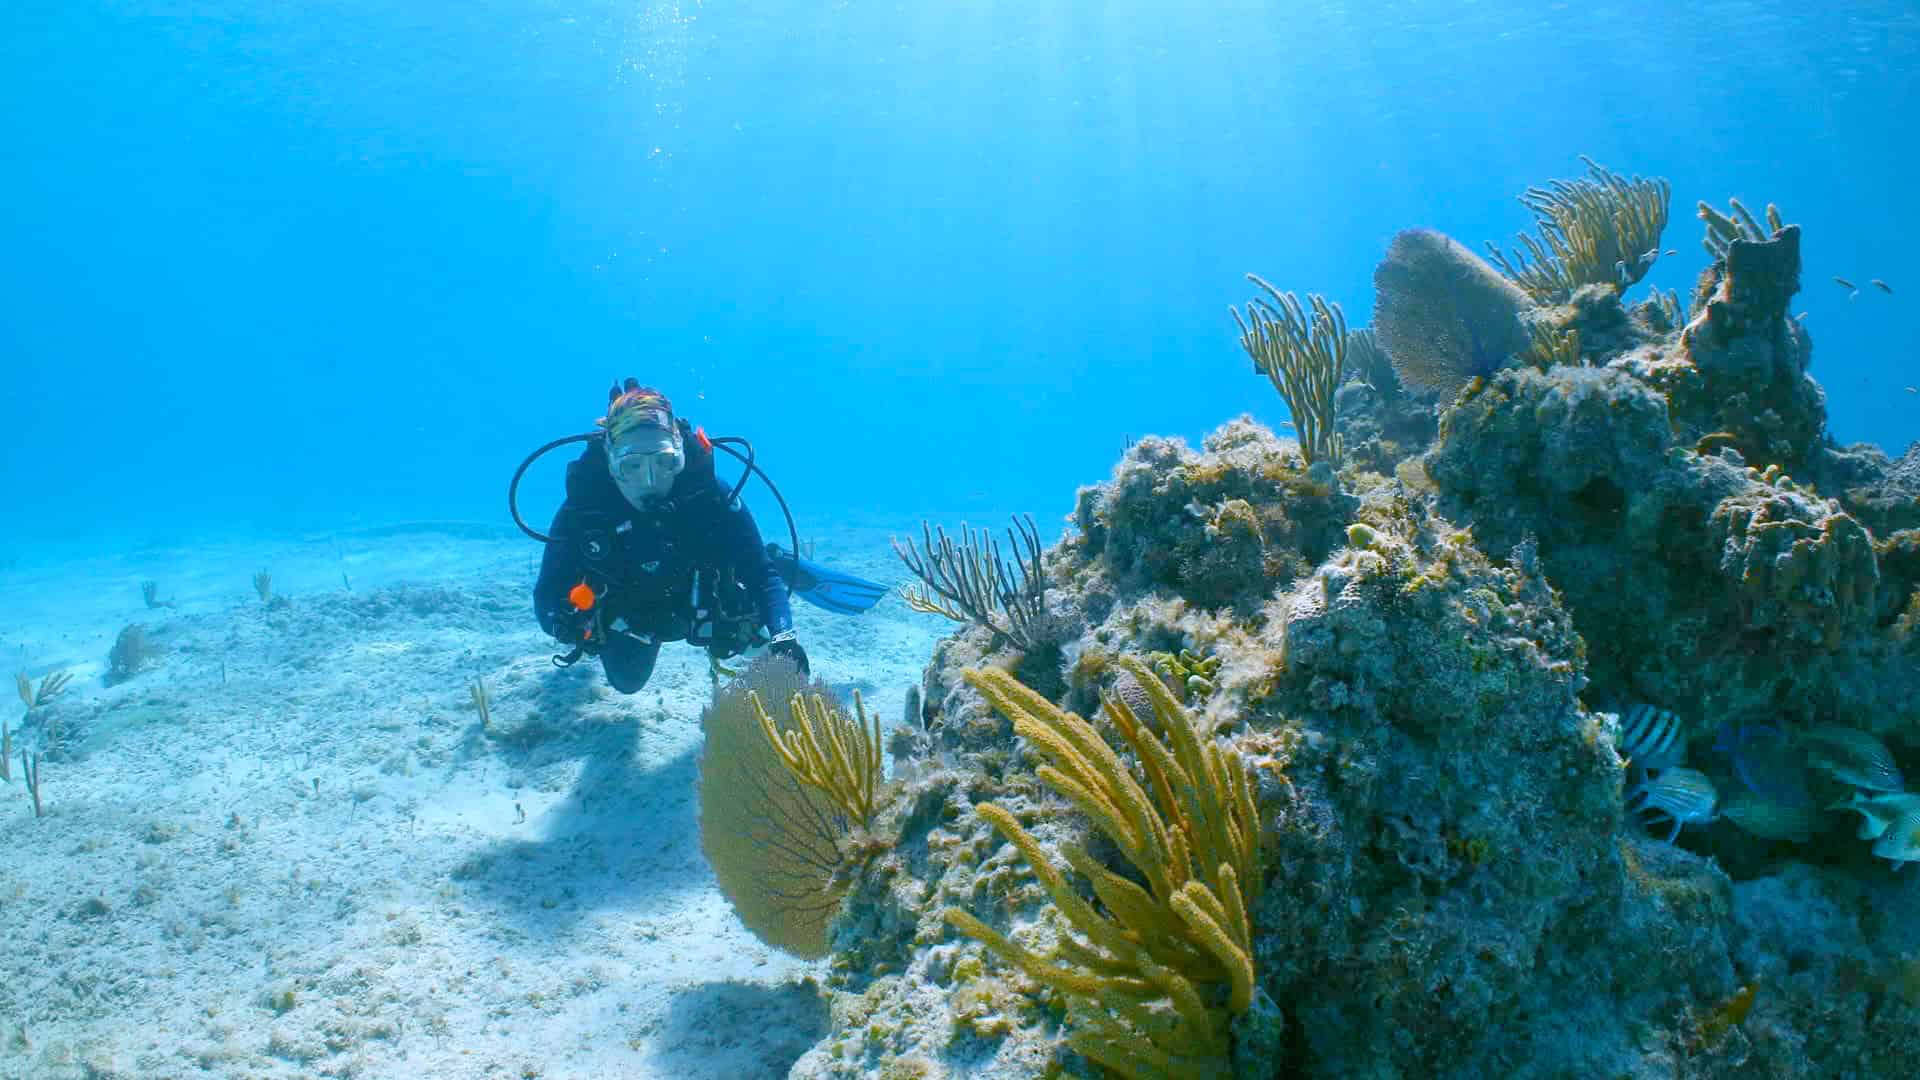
<point>287,849</point>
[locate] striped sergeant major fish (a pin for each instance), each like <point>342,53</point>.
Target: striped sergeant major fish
<point>1682,796</point>
<point>1652,737</point>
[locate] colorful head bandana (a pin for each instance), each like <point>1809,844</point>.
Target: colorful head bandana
<point>635,409</point>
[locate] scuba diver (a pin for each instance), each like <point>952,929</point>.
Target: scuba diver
<point>650,547</point>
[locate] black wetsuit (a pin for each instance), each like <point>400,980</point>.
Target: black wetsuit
<point>657,568</point>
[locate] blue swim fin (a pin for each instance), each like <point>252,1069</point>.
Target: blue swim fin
<point>842,594</point>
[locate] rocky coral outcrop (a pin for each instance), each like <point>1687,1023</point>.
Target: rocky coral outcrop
<point>1751,358</point>
<point>1697,580</point>
<point>1800,567</point>
<point>1429,653</point>
<point>1449,814</point>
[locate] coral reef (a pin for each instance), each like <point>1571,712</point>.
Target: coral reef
<point>1430,649</point>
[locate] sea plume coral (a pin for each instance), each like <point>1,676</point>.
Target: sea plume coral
<point>1443,315</point>
<point>1304,356</point>
<point>1136,975</point>
<point>1601,230</point>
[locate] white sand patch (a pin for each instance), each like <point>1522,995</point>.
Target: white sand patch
<point>287,848</point>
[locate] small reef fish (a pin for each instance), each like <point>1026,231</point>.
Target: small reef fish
<point>1852,289</point>
<point>1881,285</point>
<point>1652,737</point>
<point>1771,820</point>
<point>1913,389</point>
<point>1900,844</point>
<point>1673,251</point>
<point>1878,812</point>
<point>1684,796</point>
<point>1852,756</point>
<point>1766,763</point>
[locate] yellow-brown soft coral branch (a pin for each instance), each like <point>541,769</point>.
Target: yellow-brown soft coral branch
<point>1132,970</point>
<point>1304,356</point>
<point>925,601</point>
<point>826,750</point>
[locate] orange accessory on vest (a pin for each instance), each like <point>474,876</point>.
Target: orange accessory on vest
<point>581,597</point>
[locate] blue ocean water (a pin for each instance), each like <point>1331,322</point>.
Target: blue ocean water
<point>289,290</point>
<point>295,266</point>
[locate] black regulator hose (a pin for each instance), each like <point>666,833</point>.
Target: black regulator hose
<point>513,486</point>
<point>724,443</point>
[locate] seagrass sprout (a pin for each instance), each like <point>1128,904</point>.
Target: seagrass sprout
<point>482,702</point>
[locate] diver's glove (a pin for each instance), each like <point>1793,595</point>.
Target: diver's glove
<point>784,644</point>
<point>573,629</point>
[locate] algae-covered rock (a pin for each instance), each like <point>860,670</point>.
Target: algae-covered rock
<point>1800,566</point>
<point>1443,831</point>
<point>1752,357</point>
<point>1221,528</point>
<point>1576,438</point>
<point>1698,581</point>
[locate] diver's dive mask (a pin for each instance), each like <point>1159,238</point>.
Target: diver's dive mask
<point>645,462</point>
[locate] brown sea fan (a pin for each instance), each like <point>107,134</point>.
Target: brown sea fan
<point>1443,314</point>
<point>775,843</point>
